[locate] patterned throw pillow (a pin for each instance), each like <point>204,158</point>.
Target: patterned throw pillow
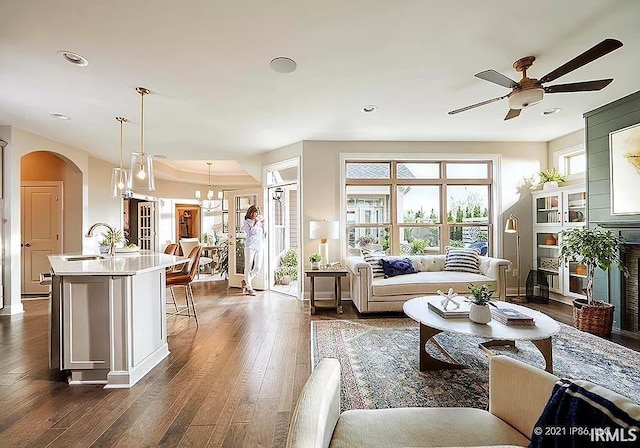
<point>397,266</point>
<point>462,260</point>
<point>373,258</point>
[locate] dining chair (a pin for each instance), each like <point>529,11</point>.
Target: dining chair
<point>186,244</point>
<point>184,278</point>
<point>172,249</point>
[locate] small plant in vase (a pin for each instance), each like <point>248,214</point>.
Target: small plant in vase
<point>550,178</point>
<point>592,248</point>
<point>314,259</point>
<point>109,240</point>
<point>480,299</point>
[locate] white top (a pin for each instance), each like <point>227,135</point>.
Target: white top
<point>254,231</point>
<point>545,326</point>
<point>121,264</point>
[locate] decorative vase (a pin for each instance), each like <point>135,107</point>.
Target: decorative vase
<point>550,241</point>
<point>581,269</point>
<point>480,314</point>
<point>286,279</point>
<point>315,265</point>
<point>551,185</point>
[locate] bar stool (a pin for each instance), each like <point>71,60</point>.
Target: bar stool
<point>184,278</point>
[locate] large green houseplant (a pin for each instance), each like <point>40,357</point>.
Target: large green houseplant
<point>595,248</point>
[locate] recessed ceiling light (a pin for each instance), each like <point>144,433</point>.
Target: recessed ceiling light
<point>551,111</point>
<point>60,116</point>
<point>369,108</point>
<point>283,65</point>
<point>73,58</point>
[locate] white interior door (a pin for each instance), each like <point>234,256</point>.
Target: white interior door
<point>147,226</point>
<point>239,203</point>
<point>41,207</point>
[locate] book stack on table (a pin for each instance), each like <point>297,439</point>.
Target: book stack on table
<point>451,312</point>
<point>511,317</point>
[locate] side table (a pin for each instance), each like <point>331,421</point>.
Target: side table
<point>337,274</point>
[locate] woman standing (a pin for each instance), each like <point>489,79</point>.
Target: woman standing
<point>253,228</point>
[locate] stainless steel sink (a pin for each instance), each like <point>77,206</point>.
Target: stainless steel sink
<point>83,258</point>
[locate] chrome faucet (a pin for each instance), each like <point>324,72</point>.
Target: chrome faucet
<point>112,243</point>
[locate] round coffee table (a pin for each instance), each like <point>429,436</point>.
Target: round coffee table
<point>498,334</point>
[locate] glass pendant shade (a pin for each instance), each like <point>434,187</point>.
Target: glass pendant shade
<point>119,182</point>
<point>142,178</point>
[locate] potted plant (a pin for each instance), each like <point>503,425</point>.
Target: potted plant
<point>315,258</point>
<point>550,178</point>
<point>109,240</point>
<point>481,298</point>
<point>594,248</point>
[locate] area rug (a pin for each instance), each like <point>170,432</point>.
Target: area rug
<point>379,362</point>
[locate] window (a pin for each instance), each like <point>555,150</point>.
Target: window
<point>571,162</point>
<point>414,207</point>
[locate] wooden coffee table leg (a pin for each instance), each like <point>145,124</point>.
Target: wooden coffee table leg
<point>545,347</point>
<point>312,297</point>
<point>428,362</point>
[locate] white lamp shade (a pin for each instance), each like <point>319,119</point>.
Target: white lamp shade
<point>324,230</point>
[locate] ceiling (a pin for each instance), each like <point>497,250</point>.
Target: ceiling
<point>214,96</point>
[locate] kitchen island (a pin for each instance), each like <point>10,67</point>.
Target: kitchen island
<point>107,316</point>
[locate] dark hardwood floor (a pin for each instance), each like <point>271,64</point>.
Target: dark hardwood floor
<point>231,382</point>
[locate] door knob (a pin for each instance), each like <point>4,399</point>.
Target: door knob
<point>27,245</point>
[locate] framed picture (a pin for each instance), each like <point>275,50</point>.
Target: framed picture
<point>624,147</point>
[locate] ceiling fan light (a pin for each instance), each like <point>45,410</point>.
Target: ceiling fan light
<point>525,98</point>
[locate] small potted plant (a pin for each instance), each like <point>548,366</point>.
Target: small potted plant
<point>594,248</point>
<point>314,259</point>
<point>550,178</point>
<point>109,240</point>
<point>481,298</point>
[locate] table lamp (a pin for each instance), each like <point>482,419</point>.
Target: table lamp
<point>324,230</point>
<point>512,227</point>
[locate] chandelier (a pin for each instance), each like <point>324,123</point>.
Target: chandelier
<point>141,177</point>
<point>209,203</point>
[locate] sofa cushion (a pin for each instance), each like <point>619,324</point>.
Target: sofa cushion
<point>373,258</point>
<point>397,266</point>
<point>462,260</point>
<point>426,283</point>
<point>403,427</point>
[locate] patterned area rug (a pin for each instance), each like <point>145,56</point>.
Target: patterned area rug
<point>379,360</point>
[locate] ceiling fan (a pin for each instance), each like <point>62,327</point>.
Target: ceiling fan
<point>530,91</point>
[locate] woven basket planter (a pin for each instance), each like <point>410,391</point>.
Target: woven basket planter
<point>595,319</point>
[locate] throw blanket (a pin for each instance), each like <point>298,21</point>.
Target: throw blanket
<point>582,414</point>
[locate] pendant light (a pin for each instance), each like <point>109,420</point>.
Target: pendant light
<point>119,176</point>
<point>141,178</point>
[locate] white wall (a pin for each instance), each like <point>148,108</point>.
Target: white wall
<point>321,184</point>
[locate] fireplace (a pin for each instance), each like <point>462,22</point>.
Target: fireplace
<point>630,292</point>
<point>623,292</point>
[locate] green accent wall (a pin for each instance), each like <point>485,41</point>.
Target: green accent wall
<point>599,123</point>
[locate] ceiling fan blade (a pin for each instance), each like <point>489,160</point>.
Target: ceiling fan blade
<point>595,52</point>
<point>497,78</point>
<point>473,106</point>
<point>584,86</point>
<point>513,113</point>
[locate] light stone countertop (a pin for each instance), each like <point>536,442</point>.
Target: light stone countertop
<point>121,264</point>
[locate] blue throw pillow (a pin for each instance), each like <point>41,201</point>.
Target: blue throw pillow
<point>397,266</point>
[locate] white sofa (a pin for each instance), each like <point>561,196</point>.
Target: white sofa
<point>389,294</point>
<point>518,393</point>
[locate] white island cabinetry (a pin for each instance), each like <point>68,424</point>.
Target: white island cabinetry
<point>108,323</point>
